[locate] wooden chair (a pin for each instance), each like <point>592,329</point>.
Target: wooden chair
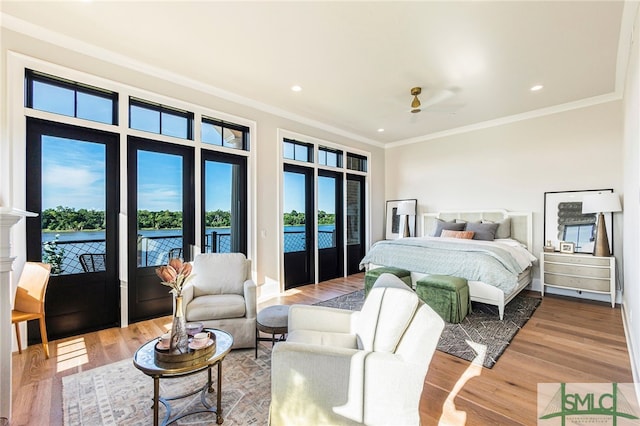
<point>29,301</point>
<point>93,262</point>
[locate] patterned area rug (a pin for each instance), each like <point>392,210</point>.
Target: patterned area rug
<point>119,394</point>
<point>482,326</point>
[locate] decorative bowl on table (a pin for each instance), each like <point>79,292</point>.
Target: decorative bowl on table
<point>193,328</point>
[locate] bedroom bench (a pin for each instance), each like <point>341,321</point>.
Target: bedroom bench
<point>447,295</point>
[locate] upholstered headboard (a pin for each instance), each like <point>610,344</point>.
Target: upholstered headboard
<point>521,222</point>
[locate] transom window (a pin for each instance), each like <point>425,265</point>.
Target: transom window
<point>161,119</point>
<point>329,157</point>
<point>356,162</point>
<point>59,96</point>
<point>222,133</point>
<point>296,150</point>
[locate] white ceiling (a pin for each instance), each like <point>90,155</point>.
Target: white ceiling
<point>356,61</point>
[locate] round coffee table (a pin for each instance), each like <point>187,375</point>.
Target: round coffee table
<point>144,360</point>
<point>272,320</point>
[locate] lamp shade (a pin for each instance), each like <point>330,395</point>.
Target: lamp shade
<point>405,207</point>
<point>601,202</point>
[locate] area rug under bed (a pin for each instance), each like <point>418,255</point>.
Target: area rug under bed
<point>482,326</point>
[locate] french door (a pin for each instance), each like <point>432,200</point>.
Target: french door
<point>73,184</point>
<point>224,203</point>
<point>299,266</point>
<point>160,220</point>
<point>330,229</point>
<point>355,222</point>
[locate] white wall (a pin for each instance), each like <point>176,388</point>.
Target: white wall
<point>513,165</point>
<point>631,297</point>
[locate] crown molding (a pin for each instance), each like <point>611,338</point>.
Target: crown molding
<point>583,103</point>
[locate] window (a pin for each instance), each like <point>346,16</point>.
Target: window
<point>73,99</point>
<point>356,162</point>
<point>299,151</point>
<point>329,157</point>
<point>221,133</point>
<point>160,119</point>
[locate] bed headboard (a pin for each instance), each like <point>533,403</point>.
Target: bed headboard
<point>521,222</point>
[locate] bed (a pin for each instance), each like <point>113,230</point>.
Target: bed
<point>497,268</point>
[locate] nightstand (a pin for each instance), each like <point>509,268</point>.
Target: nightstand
<point>582,272</point>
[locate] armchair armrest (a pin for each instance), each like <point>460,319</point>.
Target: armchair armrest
<point>250,298</point>
<point>313,384</point>
<point>321,318</point>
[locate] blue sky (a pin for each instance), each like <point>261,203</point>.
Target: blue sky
<point>294,193</point>
<point>73,176</point>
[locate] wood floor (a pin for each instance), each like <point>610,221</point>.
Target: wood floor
<point>567,340</point>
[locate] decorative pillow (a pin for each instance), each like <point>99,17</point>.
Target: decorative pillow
<point>441,224</point>
<point>504,228</point>
<point>466,235</point>
<point>483,231</point>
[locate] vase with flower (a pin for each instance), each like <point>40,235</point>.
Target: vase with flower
<point>175,275</point>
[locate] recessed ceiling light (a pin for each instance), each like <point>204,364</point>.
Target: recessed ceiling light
<point>536,87</point>
<point>296,88</point>
<point>380,130</point>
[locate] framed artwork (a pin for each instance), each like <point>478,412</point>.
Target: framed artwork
<point>566,247</point>
<point>565,223</point>
<point>395,222</point>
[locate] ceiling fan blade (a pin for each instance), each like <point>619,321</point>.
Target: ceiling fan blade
<point>437,97</point>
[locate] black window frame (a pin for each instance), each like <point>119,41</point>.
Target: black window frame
<point>231,126</point>
<point>163,109</point>
<point>32,76</point>
<point>308,146</point>
<point>339,155</point>
<point>356,162</point>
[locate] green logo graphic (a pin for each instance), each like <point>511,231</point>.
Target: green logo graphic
<point>589,404</point>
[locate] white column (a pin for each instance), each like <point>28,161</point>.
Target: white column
<point>8,218</point>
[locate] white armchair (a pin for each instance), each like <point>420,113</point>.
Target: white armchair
<point>221,294</point>
<point>341,367</point>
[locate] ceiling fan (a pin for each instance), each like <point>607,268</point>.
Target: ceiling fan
<point>437,97</point>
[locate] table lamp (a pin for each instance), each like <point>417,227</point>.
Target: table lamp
<point>405,208</point>
<point>601,202</point>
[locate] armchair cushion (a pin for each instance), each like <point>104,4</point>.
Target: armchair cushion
<point>224,273</point>
<point>216,306</point>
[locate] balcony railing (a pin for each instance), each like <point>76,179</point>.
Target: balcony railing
<point>154,250</point>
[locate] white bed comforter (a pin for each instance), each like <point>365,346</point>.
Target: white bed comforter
<point>497,262</point>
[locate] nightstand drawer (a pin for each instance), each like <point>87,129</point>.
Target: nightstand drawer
<point>578,283</point>
<point>577,270</point>
<point>578,260</point>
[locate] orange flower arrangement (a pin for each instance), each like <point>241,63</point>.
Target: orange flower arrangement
<point>174,275</point>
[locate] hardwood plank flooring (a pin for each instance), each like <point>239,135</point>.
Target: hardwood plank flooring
<point>566,340</point>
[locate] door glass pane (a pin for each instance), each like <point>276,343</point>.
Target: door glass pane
<point>220,193</point>
<point>326,212</point>
<point>294,212</point>
<point>354,211</point>
<point>160,226</point>
<point>73,204</point>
